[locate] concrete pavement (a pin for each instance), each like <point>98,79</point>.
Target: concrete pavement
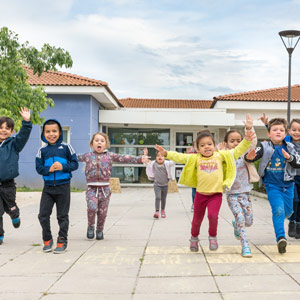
<point>141,258</point>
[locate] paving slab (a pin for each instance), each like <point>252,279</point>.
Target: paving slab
<point>143,258</point>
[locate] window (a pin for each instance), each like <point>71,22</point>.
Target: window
<point>184,140</point>
<point>132,141</point>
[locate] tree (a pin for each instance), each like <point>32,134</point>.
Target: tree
<point>15,91</point>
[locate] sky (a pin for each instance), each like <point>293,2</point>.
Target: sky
<point>166,49</point>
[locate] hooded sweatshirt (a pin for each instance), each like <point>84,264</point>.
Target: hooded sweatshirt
<point>50,153</point>
<point>9,152</point>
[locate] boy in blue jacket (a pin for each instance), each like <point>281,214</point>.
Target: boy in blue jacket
<point>55,161</point>
<point>9,168</point>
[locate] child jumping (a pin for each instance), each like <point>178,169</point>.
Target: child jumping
<point>276,169</point>
<point>205,171</point>
<point>55,161</point>
<point>10,147</point>
<point>98,172</point>
<point>238,197</point>
<point>159,171</point>
<point>294,138</point>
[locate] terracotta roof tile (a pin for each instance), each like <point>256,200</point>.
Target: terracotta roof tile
<point>270,95</point>
<point>165,103</point>
<point>57,78</point>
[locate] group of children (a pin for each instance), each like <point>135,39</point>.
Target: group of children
<point>209,171</point>
<point>229,169</point>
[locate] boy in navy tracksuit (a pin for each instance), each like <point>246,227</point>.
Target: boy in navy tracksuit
<point>9,169</point>
<point>55,161</point>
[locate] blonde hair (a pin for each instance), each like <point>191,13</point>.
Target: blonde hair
<point>103,135</point>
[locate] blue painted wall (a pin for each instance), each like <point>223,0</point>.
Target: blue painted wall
<point>78,112</point>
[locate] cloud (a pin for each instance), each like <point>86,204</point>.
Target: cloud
<point>166,49</point>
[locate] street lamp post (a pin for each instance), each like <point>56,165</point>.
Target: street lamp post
<point>287,37</point>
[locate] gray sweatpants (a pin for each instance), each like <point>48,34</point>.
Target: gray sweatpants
<point>160,196</point>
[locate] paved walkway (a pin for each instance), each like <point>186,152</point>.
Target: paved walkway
<point>142,258</point>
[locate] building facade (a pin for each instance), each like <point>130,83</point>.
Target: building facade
<point>84,106</point>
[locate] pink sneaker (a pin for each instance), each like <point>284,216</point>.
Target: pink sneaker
<point>194,246</point>
<point>156,215</point>
<point>213,243</point>
<point>163,214</point>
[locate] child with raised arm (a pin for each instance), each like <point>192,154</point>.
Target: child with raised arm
<point>293,137</point>
<point>159,171</point>
<point>10,147</point>
<point>210,172</point>
<point>276,169</point>
<point>98,172</point>
<point>238,197</point>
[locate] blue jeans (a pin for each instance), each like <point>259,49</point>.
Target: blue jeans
<point>193,194</point>
<point>281,201</point>
<point>295,217</point>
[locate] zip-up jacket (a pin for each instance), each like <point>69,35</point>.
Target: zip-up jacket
<point>265,151</point>
<point>150,169</point>
<point>61,152</point>
<point>99,165</point>
<point>189,173</point>
<point>9,152</point>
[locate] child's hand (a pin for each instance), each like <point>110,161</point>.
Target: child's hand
<point>161,150</point>
<point>145,151</point>
<point>25,113</point>
<point>57,166</point>
<point>221,146</point>
<point>248,122</point>
<point>250,135</point>
<point>251,155</point>
<point>264,119</point>
<point>145,159</point>
<point>285,154</point>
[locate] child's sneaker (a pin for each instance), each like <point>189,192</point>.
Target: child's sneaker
<point>194,246</point>
<point>192,208</point>
<point>281,245</point>
<point>156,215</point>
<point>297,235</point>
<point>163,214</point>
<point>246,252</point>
<point>1,239</point>
<point>48,246</point>
<point>235,230</point>
<point>90,232</point>
<point>16,222</point>
<point>292,229</point>
<point>99,235</point>
<point>213,243</point>
<point>61,246</point>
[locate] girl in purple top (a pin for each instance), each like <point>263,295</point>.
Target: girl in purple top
<point>98,172</point>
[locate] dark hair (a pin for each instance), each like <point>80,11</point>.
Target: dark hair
<point>294,121</point>
<point>277,121</point>
<point>9,122</point>
<point>202,134</point>
<point>229,132</point>
<point>52,122</point>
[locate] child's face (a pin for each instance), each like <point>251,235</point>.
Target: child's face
<point>99,143</point>
<point>294,132</point>
<point>277,134</point>
<point>233,140</point>
<point>5,132</point>
<point>51,133</point>
<point>160,159</point>
<point>206,146</point>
